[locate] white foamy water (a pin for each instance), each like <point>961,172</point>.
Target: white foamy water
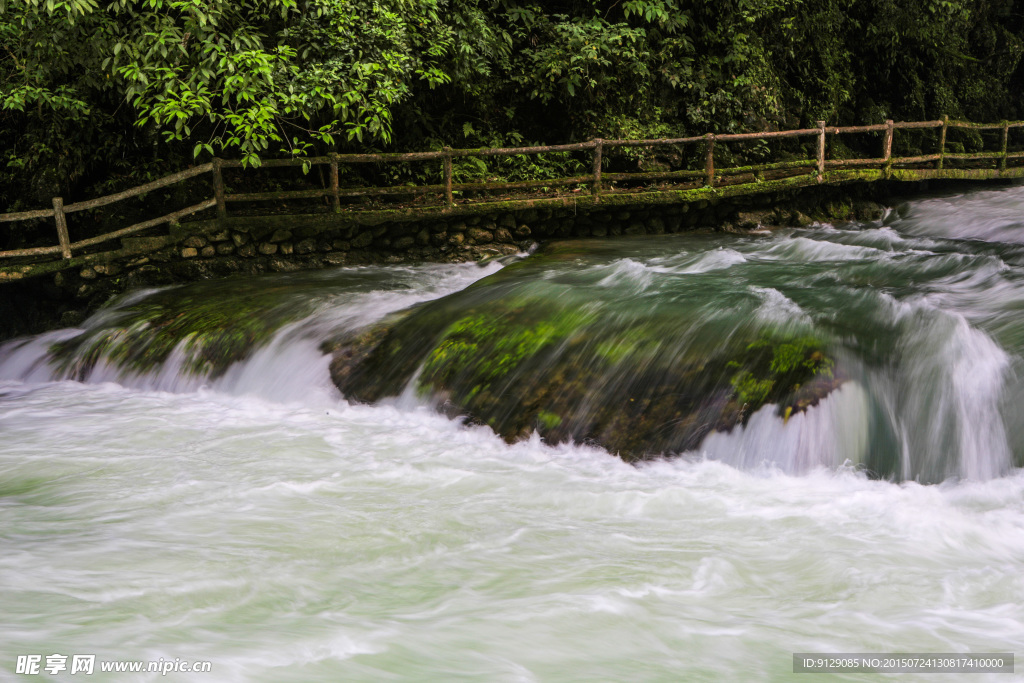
<point>993,215</point>
<point>289,543</point>
<point>260,522</point>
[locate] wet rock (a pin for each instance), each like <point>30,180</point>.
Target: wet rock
<point>615,379</point>
<point>207,252</point>
<point>215,329</point>
<point>838,211</point>
<point>287,248</point>
<point>280,236</point>
<point>522,232</point>
<point>267,248</point>
<point>362,240</point>
<point>220,236</point>
<point>867,210</point>
<point>239,238</point>
<point>753,220</point>
<point>90,274</point>
<point>194,242</point>
<point>247,250</point>
<point>479,236</point>
<point>503,235</point>
<point>279,265</point>
<point>800,219</point>
<point>189,252</point>
<point>71,318</point>
<point>305,247</point>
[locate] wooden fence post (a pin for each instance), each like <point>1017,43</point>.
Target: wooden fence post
<point>821,151</point>
<point>335,198</point>
<point>709,166</point>
<point>942,141</point>
<point>595,186</point>
<point>218,189</point>
<point>1006,139</point>
<point>448,198</point>
<point>887,143</point>
<point>62,227</point>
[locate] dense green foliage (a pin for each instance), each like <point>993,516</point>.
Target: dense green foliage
<point>93,89</point>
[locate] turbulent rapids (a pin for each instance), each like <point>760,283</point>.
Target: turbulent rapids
<point>665,458</point>
<point>890,346</point>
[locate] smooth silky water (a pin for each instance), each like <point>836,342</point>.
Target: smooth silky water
<point>259,521</point>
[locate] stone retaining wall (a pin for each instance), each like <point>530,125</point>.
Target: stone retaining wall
<point>282,243</point>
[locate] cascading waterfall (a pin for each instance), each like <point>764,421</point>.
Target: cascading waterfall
<point>407,472</point>
<point>838,345</point>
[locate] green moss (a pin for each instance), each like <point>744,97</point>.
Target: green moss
<point>213,330</point>
<point>771,369</point>
<point>548,420</point>
<point>804,352</point>
<point>524,363</point>
<point>524,353</point>
<point>750,390</point>
<point>488,345</point>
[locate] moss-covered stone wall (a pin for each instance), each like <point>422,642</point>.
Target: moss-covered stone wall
<point>60,293</point>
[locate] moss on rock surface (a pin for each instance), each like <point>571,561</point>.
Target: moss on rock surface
<point>211,332</point>
<point>521,356</point>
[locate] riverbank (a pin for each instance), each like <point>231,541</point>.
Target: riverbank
<point>247,246</point>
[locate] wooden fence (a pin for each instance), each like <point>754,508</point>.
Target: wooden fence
<point>709,176</point>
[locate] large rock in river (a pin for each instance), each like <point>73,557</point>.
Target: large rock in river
<point>576,348</point>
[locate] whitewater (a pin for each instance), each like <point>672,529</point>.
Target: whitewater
<point>263,523</point>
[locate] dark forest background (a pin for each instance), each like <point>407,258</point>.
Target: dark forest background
<point>96,96</point>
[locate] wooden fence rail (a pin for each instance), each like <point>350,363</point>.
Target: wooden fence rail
<point>595,179</point>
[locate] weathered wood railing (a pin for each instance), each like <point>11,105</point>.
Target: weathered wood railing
<point>595,179</point>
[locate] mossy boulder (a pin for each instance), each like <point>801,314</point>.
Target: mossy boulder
<point>520,358</point>
<point>212,330</point>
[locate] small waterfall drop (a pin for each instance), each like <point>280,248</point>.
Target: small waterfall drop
<point>892,347</point>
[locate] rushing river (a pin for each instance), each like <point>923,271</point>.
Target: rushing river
<point>257,520</point>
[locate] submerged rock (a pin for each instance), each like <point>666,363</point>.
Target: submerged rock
<point>520,355</point>
<point>211,332</point>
